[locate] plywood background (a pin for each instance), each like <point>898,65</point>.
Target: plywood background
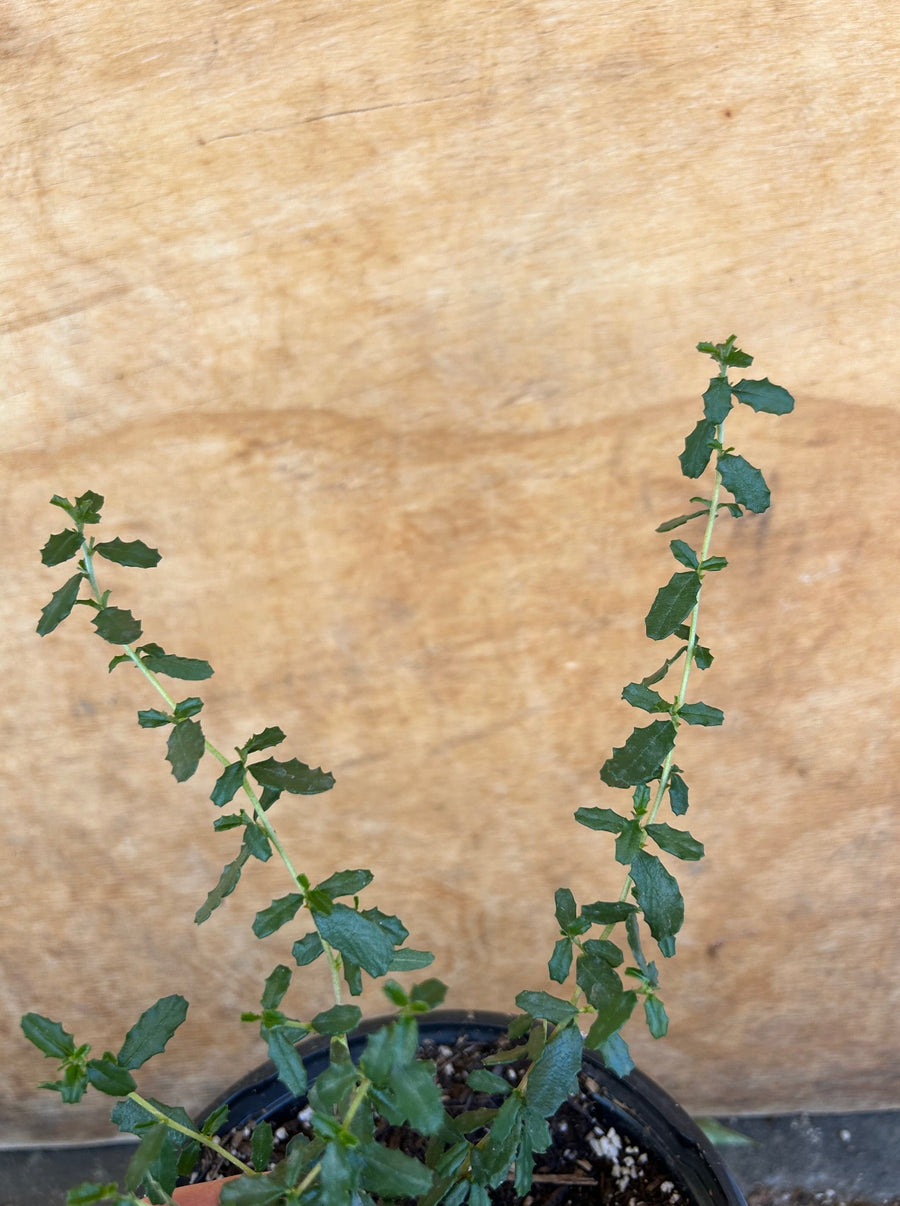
<point>378,320</point>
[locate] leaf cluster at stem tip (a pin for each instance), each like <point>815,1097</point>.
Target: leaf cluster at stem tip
<point>599,956</point>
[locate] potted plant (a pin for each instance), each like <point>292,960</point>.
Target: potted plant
<point>427,1106</point>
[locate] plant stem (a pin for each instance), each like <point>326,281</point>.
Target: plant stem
<point>191,1134</point>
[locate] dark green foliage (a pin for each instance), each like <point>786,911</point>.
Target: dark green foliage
<point>464,1158</point>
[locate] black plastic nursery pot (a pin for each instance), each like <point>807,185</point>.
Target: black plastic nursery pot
<point>642,1113</point>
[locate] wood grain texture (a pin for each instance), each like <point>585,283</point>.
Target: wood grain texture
<point>378,321</point>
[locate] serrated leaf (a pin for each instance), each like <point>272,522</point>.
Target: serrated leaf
<point>602,948</point>
<point>701,713</point>
<point>228,784</point>
<point>703,659</point>
<point>603,819</point>
<point>153,1029</point>
<point>109,1077</point>
<point>390,1173</point>
<point>307,949</point>
<point>261,1146</point>
<point>678,795</point>
<point>658,675</point>
<point>639,695</point>
<point>683,553</point>
<point>339,1019</point>
<point>228,881</point>
<point>153,718</point>
<point>188,669</point>
<point>359,939</point>
<point>185,748</point>
<point>726,353</point>
<point>764,396</point>
<point>293,776</point>
<point>61,547</point>
<point>186,708</point>
<point>117,626</point>
<point>656,1016</point>
<point>639,758</point>
<point>277,914</point>
<point>407,959</point>
<point>539,1004</point>
<point>277,983</point>
<point>148,1152</point>
<point>288,1063</point>
<point>660,899</point>
<point>745,482</point>
<point>676,841</point>
<point>554,1075</point>
<point>48,1036</point>
<point>430,993</point>
<point>262,741</point>
<point>672,604</point>
<point>560,963</point>
<point>615,1055</point>
<point>607,912</point>
<point>132,553</point>
<point>482,1081</point>
<point>87,507</point>
<point>629,841</point>
<point>714,563</point>
<point>91,1192</point>
<point>345,883</point>
<point>698,447</point>
<point>566,910</point>
<point>679,520</point>
<point>61,603</point>
<point>717,400</point>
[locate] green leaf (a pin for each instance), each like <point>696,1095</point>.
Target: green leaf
<point>261,1146</point>
<point>109,1077</point>
<point>91,1192</point>
<point>702,657</point>
<point>133,552</point>
<point>186,708</point>
<point>188,669</point>
<point>408,959</point>
<point>357,938</point>
<point>698,448</point>
<point>117,626</point>
<point>185,748</point>
<point>683,553</point>
<point>745,482</point>
<point>307,949</point>
<point>676,841</point>
<point>483,1081</point>
<point>721,1135</point>
<point>639,695</point>
<point>639,758</point>
<point>679,520</point>
<point>554,1075</point>
<point>277,983</point>
<point>48,1036</point>
<point>429,993</point>
<point>294,776</point>
<point>615,1055</point>
<point>602,948</point>
<point>717,400</point>
<point>701,713</point>
<point>228,881</point>
<point>727,355</point>
<point>678,795</point>
<point>228,784</point>
<point>288,1063</point>
<point>87,507</point>
<point>629,841</point>
<point>61,547</point>
<point>672,605</point>
<point>656,1016</point>
<point>148,1152</point>
<point>415,1096</point>
<point>345,883</point>
<point>660,900</point>
<point>560,963</point>
<point>660,674</point>
<point>566,909</point>
<point>339,1019</point>
<point>153,718</point>
<point>259,1191</point>
<point>542,1005</point>
<point>764,396</point>
<point>153,1029</point>
<point>390,1173</point>
<point>602,819</point>
<point>277,914</point>
<point>61,603</point>
<point>608,912</point>
<point>261,741</point>
<point>714,563</point>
